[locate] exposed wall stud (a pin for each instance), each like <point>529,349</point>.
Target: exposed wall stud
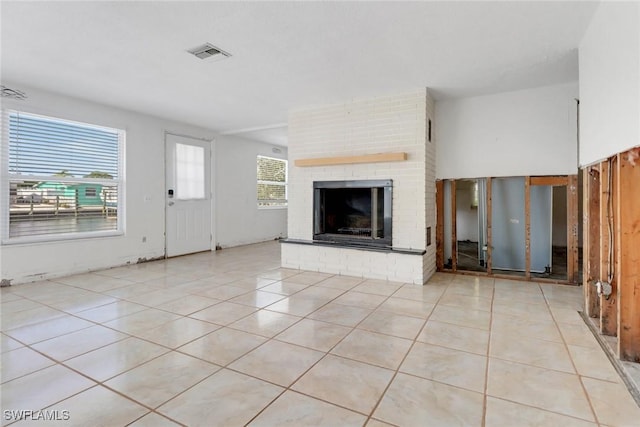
<point>489,210</point>
<point>527,227</point>
<point>628,255</point>
<point>607,304</point>
<point>572,229</point>
<point>591,240</point>
<point>454,234</point>
<point>440,225</point>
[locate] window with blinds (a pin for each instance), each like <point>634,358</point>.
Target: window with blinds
<point>64,178</point>
<point>272,182</point>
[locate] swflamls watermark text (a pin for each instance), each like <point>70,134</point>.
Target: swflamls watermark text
<point>43,415</point>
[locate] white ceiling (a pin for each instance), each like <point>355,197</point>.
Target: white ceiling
<point>285,54</point>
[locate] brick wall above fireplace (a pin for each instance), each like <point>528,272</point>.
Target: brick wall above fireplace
<point>398,123</point>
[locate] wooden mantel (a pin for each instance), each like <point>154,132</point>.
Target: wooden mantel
<point>346,160</point>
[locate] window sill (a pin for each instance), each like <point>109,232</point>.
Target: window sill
<point>268,208</point>
<point>59,238</point>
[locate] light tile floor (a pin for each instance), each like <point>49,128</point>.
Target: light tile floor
<point>230,339</point>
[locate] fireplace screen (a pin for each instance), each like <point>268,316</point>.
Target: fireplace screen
<point>355,212</point>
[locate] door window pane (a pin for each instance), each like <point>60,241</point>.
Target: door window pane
<point>189,172</point>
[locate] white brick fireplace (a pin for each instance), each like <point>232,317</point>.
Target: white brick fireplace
<point>392,124</point>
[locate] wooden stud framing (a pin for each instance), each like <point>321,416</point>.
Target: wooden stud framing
<point>604,237</point>
<point>440,225</point>
<point>527,227</point>
<point>454,234</point>
<point>488,242</point>
<point>343,160</point>
<point>628,255</point>
<point>572,224</point>
<point>607,305</point>
<point>549,180</point>
<point>572,229</point>
<point>591,240</point>
<point>521,279</point>
<point>612,302</point>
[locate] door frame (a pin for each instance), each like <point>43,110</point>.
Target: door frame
<point>212,183</point>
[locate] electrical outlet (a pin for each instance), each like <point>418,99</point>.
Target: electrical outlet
<point>606,289</point>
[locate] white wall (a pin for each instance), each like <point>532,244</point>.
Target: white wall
<point>144,175</point>
<point>238,220</point>
<point>609,82</point>
<point>525,132</point>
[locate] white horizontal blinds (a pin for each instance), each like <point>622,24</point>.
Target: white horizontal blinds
<point>189,172</point>
<point>272,182</point>
<point>64,177</point>
<point>41,146</point>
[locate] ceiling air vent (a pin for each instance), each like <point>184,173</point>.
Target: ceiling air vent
<point>208,51</point>
<point>7,92</point>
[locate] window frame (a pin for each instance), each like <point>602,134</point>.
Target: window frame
<point>284,184</point>
<point>8,179</point>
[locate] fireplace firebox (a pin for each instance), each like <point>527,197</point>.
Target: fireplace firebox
<point>353,212</point>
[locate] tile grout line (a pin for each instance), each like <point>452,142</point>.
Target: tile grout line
<point>101,383</point>
<point>545,410</point>
<point>273,338</point>
<point>566,347</point>
<point>288,388</point>
<point>97,383</point>
<point>488,355</point>
<point>397,370</point>
<point>326,353</point>
<point>128,336</point>
<point>153,410</point>
<point>620,370</point>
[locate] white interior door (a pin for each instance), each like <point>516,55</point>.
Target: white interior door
<point>188,195</point>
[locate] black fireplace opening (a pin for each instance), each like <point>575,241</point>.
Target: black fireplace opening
<point>353,212</point>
